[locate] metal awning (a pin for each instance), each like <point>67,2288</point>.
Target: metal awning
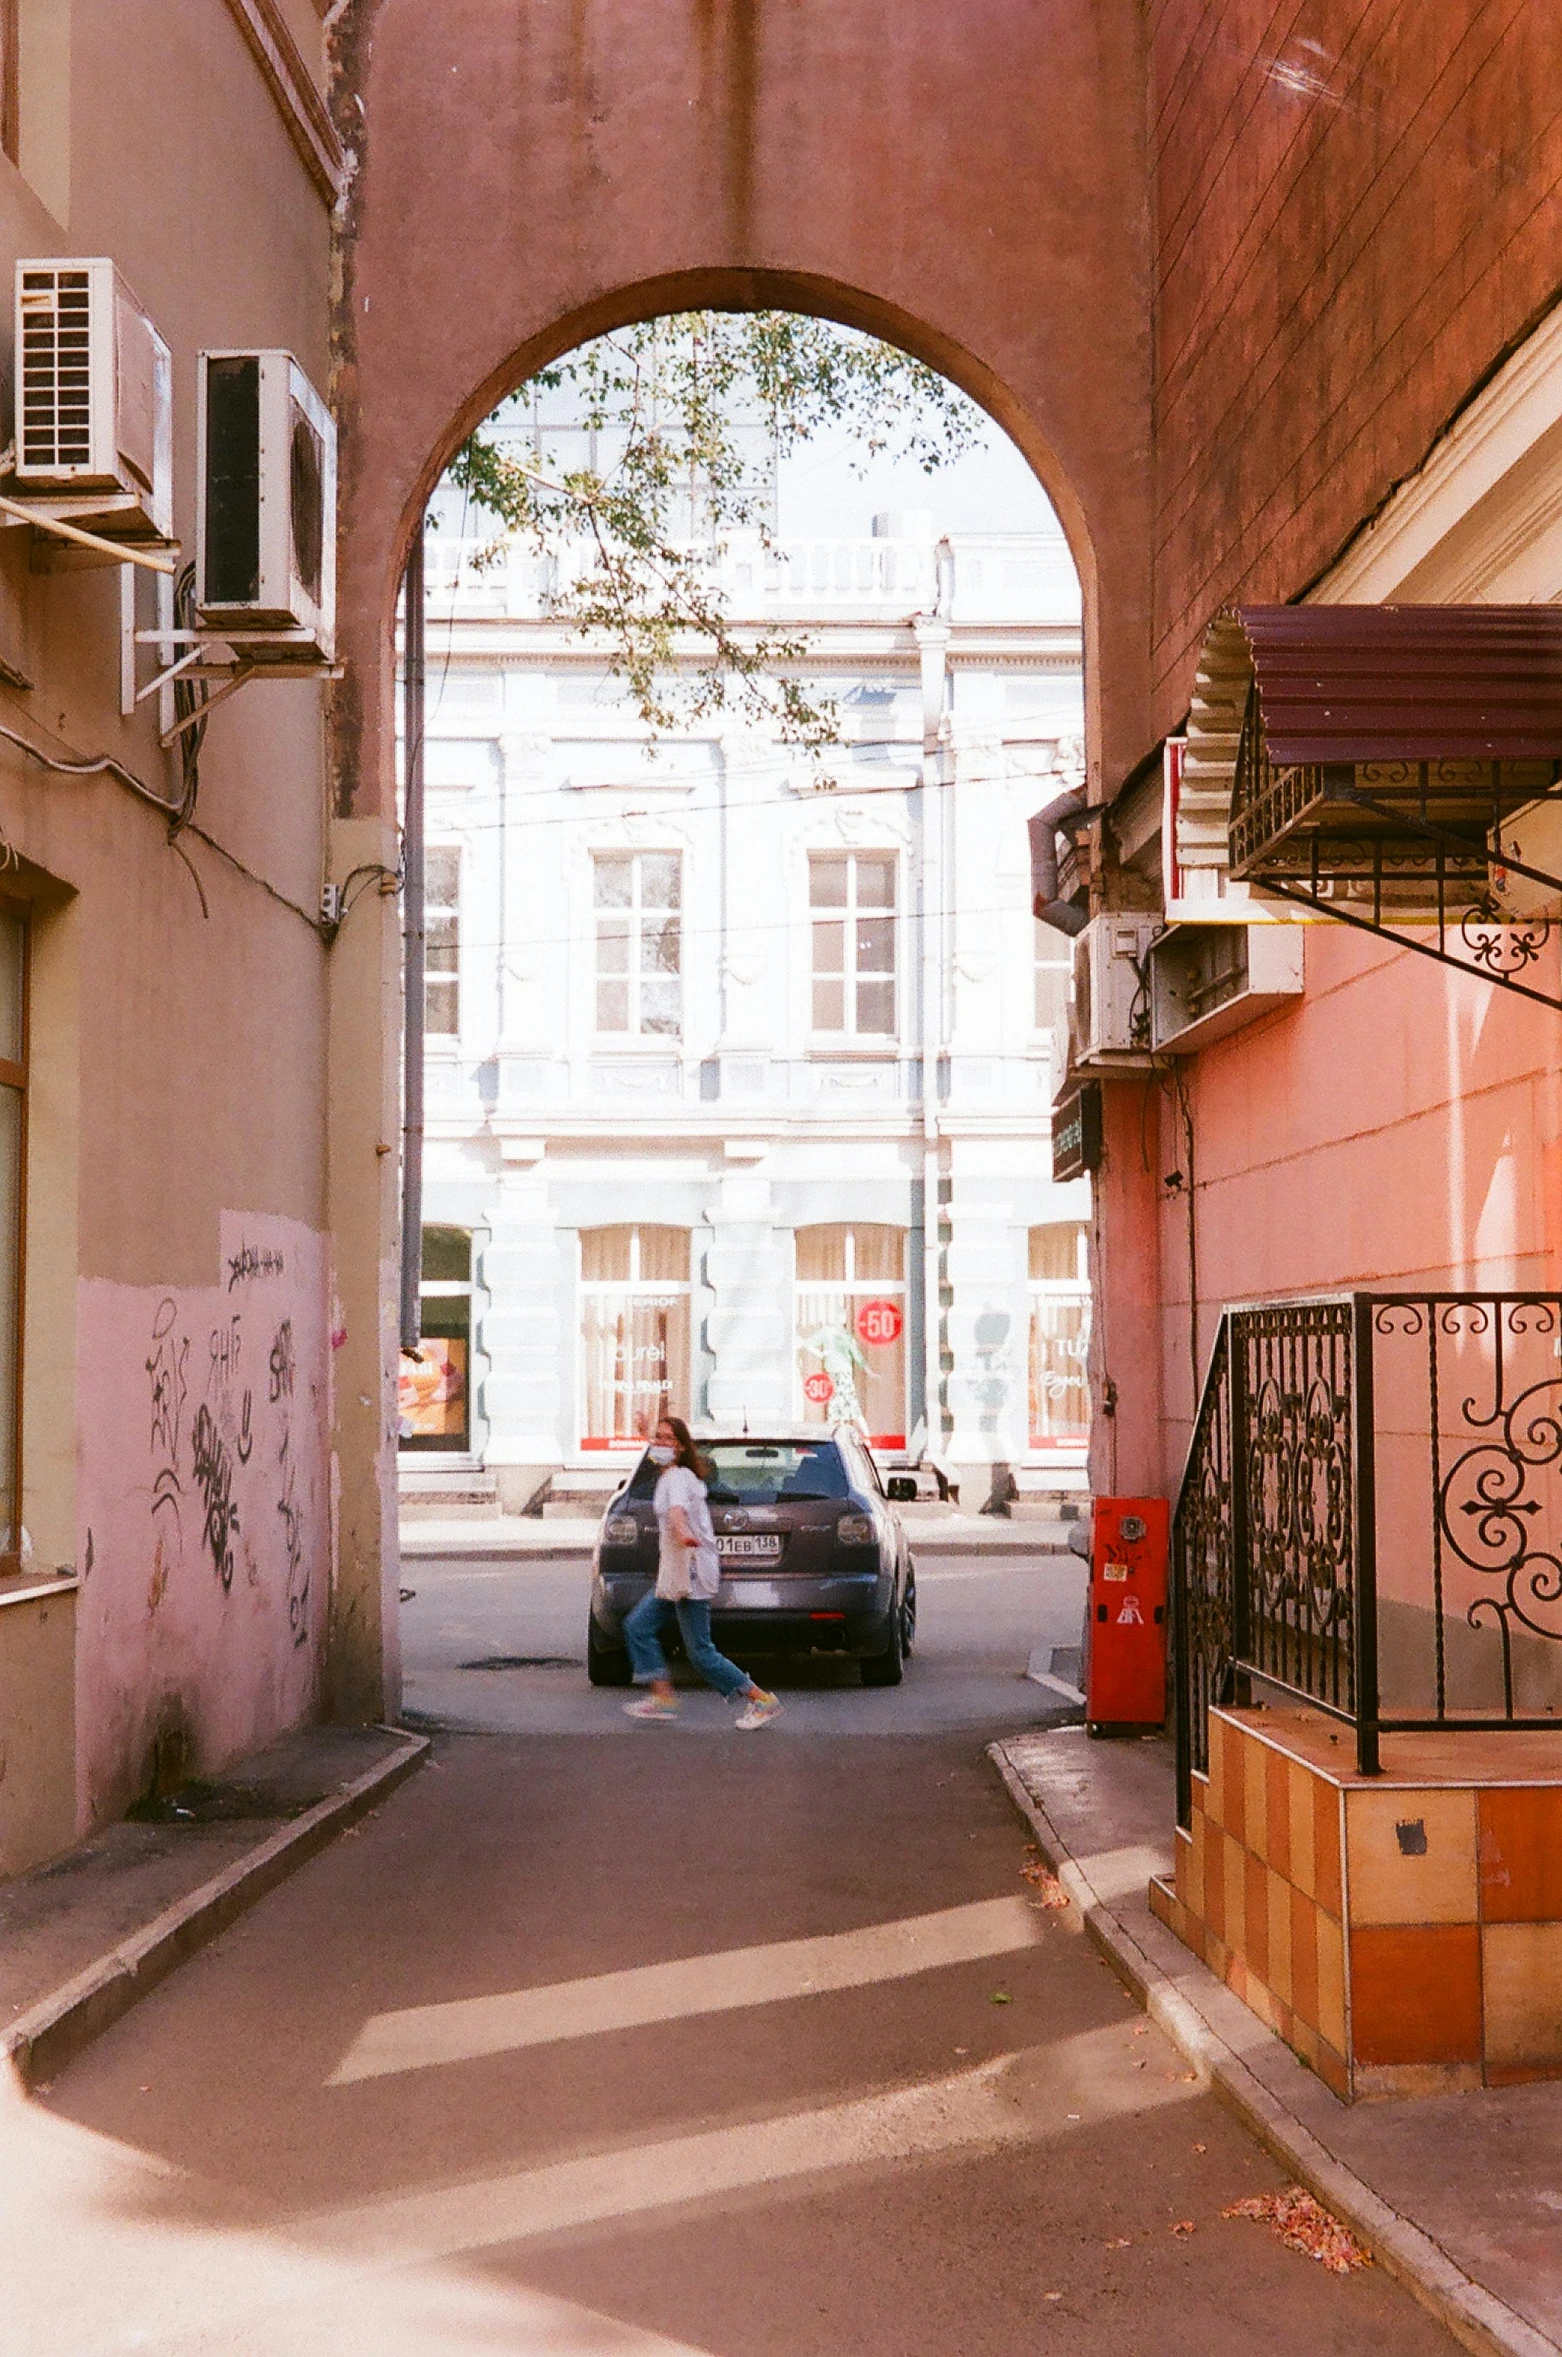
<point>1392,766</point>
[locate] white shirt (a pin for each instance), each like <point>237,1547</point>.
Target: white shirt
<point>679,1486</point>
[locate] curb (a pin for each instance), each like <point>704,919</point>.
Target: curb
<point>41,2041</point>
<point>1476,2318</point>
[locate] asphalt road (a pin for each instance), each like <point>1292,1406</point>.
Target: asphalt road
<point>614,2044</point>
<point>501,1646</point>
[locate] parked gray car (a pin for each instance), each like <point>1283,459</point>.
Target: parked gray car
<point>813,1556</point>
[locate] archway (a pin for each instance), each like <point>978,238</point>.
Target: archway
<point>970,187</point>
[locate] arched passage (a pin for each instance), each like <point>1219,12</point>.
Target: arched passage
<point>968,184</point>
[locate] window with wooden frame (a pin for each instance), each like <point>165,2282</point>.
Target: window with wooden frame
<point>13,1207</point>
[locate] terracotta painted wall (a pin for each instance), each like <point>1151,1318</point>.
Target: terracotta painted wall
<point>1400,1127</point>
<point>1359,207</point>
<point>968,180</point>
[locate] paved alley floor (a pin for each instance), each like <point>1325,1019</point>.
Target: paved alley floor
<point>623,2042</point>
<point>501,1646</point>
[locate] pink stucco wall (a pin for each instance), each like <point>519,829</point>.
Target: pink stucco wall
<point>203,1507</point>
<point>1399,1125</point>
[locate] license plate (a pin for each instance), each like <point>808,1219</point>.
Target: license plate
<point>746,1550</point>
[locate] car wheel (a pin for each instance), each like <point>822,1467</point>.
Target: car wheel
<point>888,1668</point>
<point>908,1617</point>
<point>606,1665</point>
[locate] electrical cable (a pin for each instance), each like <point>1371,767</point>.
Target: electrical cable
<point>104,765</point>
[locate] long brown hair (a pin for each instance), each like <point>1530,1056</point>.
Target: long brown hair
<point>688,1454</point>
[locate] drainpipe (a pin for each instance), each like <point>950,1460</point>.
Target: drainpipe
<point>413,944</point>
<point>1061,915</point>
<point>932,636</point>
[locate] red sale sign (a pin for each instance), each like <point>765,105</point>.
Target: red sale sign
<point>878,1324</point>
<point>819,1389</point>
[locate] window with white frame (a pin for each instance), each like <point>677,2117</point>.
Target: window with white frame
<point>849,1318</point>
<point>634,1319</point>
<point>851,898</point>
<point>442,939</point>
<point>1059,1338</point>
<point>636,897</point>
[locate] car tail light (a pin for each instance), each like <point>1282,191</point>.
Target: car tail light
<point>620,1530</point>
<point>856,1530</point>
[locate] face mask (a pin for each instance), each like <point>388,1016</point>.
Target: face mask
<point>660,1454</point>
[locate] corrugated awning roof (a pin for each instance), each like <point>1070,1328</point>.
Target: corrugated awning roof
<point>1354,684</point>
<point>1414,683</point>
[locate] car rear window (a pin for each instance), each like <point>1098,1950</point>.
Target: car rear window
<point>761,1472</point>
<point>772,1472</point>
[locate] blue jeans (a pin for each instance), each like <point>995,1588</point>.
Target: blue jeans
<point>643,1635</point>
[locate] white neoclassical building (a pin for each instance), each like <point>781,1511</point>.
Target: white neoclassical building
<point>738,1070</point>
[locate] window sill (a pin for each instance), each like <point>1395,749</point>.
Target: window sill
<point>877,1051</point>
<point>635,1043</point>
<point>28,1588</point>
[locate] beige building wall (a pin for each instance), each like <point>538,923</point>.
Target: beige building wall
<point>177,1392</point>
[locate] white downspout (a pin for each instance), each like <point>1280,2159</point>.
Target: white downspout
<point>932,637</point>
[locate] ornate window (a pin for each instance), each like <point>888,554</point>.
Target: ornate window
<point>851,897</point>
<point>442,939</point>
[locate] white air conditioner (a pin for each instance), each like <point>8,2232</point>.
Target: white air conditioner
<point>94,401</point>
<point>1206,980</point>
<point>265,562</point>
<point>1109,1018</point>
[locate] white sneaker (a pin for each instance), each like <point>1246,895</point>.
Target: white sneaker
<point>762,1708</point>
<point>650,1706</point>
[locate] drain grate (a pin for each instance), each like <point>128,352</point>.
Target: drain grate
<point>525,1661</point>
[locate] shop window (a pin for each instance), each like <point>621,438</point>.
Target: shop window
<point>434,1389</point>
<point>1059,1338</point>
<point>634,1316</point>
<point>636,897</point>
<point>442,939</point>
<point>851,898</point>
<point>13,1149</point>
<point>850,1325</point>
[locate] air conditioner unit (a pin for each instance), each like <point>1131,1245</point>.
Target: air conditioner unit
<point>1206,980</point>
<point>94,401</point>
<point>1109,1019</point>
<point>265,562</point>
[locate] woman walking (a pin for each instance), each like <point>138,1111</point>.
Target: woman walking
<point>688,1576</point>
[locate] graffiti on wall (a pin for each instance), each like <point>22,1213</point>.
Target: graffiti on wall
<point>203,1492</point>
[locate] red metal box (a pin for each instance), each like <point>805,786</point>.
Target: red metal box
<point>1125,1667</point>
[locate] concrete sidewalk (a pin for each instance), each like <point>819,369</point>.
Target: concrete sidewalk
<point>85,1936</point>
<point>1458,2196</point>
<point>498,1537</point>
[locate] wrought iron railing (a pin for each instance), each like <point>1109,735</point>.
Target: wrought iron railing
<point>1370,1520</point>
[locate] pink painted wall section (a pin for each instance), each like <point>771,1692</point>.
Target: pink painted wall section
<point>203,1508</point>
<point>1400,1126</point>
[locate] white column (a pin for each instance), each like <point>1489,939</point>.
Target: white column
<point>529,1427</point>
<point>748,1331</point>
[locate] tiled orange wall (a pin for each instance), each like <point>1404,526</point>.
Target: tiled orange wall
<point>1401,1938</point>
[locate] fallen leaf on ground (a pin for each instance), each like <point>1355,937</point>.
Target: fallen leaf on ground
<point>1046,1885</point>
<point>1304,2225</point>
<point>1122,2242</point>
<point>1184,2226</point>
<point>1140,2030</point>
<point>1201,2148</point>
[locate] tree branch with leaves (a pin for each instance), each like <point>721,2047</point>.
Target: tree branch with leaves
<point>676,410</point>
